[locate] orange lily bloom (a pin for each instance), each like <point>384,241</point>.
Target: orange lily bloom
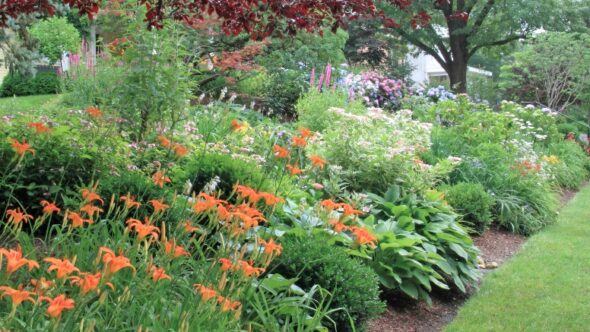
<point>317,161</point>
<point>236,125</point>
<point>271,247</point>
<point>294,170</point>
<point>91,196</point>
<point>249,193</point>
<point>58,304</point>
<point>41,285</point>
<point>223,213</point>
<point>160,179</point>
<point>330,204</point>
<point>226,264</point>
<point>17,296</point>
<point>271,199</point>
<point>339,226</point>
<point>348,210</point>
<point>189,228</point>
<point>130,201</point>
<point>90,210</point>
<point>15,260</point>
<point>88,282</point>
<point>206,293</point>
<point>175,250</point>
<point>363,236</point>
<point>305,133</point>
<point>158,205</point>
<point>280,152</point>
<point>40,128</point>
<point>16,216</point>
<point>77,220</point>
<point>21,148</point>
<point>113,262</point>
<point>94,112</point>
<point>165,142</point>
<point>227,304</point>
<point>62,266</point>
<point>158,274</point>
<point>180,150</point>
<point>206,202</point>
<point>249,270</point>
<point>298,141</point>
<point>143,229</point>
<point>49,208</point>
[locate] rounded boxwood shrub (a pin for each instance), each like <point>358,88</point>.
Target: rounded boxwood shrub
<point>354,286</point>
<point>473,202</point>
<point>40,84</point>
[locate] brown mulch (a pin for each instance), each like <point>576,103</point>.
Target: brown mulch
<point>405,315</point>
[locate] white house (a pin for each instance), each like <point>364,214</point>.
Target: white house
<point>426,70</point>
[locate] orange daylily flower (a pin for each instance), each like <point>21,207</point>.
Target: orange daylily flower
<point>348,210</point>
<point>298,141</point>
<point>17,296</point>
<point>94,112</point>
<point>249,216</point>
<point>236,125</point>
<point>362,236</point>
<point>158,274</point>
<point>16,216</point>
<point>294,170</point>
<point>227,304</point>
<point>49,208</point>
<point>41,285</point>
<point>175,250</point>
<point>158,205</point>
<point>58,304</point>
<point>130,201</point>
<point>165,142</point>
<point>226,264</point>
<point>247,192</point>
<point>91,195</point>
<point>206,202</point>
<point>40,128</point>
<point>339,226</point>
<point>15,260</point>
<point>88,282</point>
<point>317,161</point>
<point>160,179</point>
<point>21,148</point>
<point>224,213</point>
<point>189,228</point>
<point>113,262</point>
<point>62,266</point>
<point>206,293</point>
<point>90,210</point>
<point>77,220</point>
<point>180,150</point>
<point>280,152</point>
<point>271,247</point>
<point>249,270</point>
<point>329,204</point>
<point>271,199</point>
<point>305,133</point>
<point>143,229</point>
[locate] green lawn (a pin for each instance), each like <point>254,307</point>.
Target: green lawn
<point>546,287</point>
<point>27,103</point>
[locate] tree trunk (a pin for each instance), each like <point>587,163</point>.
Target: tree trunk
<point>458,76</point>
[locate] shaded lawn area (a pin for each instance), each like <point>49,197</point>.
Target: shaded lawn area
<point>11,105</point>
<point>546,287</point>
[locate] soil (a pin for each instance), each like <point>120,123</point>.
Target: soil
<point>406,315</point>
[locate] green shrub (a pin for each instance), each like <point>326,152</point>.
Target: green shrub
<point>315,261</point>
<point>566,128</point>
<point>312,108</point>
<point>203,170</point>
<point>570,168</point>
<point>473,202</point>
<point>40,84</point>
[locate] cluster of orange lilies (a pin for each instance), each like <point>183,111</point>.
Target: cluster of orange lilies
<point>346,217</point>
<point>298,142</point>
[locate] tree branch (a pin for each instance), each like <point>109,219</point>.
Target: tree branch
<point>496,43</point>
<point>481,17</point>
<point>429,50</point>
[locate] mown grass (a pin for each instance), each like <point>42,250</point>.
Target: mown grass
<point>546,287</point>
<point>11,105</point>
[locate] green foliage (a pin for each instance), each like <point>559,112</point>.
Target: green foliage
<point>421,243</point>
<point>571,165</point>
<point>315,261</point>
<point>313,108</point>
<point>40,84</point>
<point>473,202</point>
<point>56,36</point>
